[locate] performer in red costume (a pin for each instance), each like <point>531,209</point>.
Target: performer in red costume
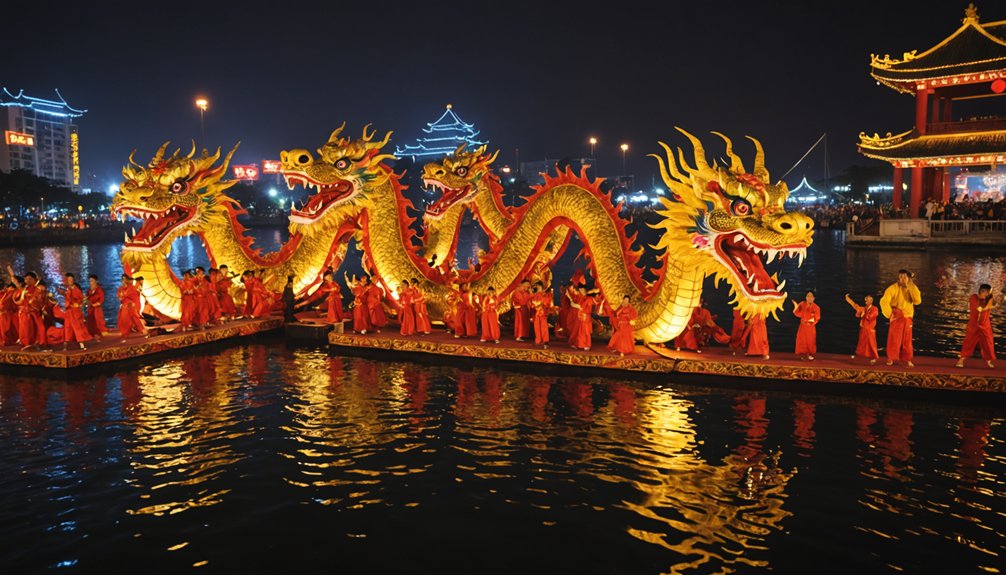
<point>375,305</point>
<point>521,302</point>
<point>567,315</point>
<point>251,294</point>
<point>867,313</point>
<point>8,311</point>
<point>406,312</point>
<point>423,324</point>
<point>74,326</point>
<point>95,315</point>
<point>188,305</point>
<point>30,302</point>
<point>361,317</point>
<point>979,331</point>
<point>227,308</point>
<point>129,309</point>
<point>756,335</point>
<point>737,341</point>
<point>806,335</point>
<point>213,296</point>
<point>541,306</point>
<point>583,326</point>
<point>466,317</point>
<point>202,309</point>
<point>622,340</point>
<point>898,303</point>
<point>490,316</point>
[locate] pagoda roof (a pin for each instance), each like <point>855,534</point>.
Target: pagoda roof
<point>974,50</point>
<point>446,134</point>
<point>936,150</point>
<point>40,105</point>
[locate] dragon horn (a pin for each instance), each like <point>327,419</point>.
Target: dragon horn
<point>132,161</point>
<point>460,149</point>
<point>736,165</point>
<point>159,156</point>
<point>193,152</point>
<point>367,138</point>
<point>493,157</point>
<point>335,133</point>
<point>759,165</point>
<point>698,150</point>
<point>377,145</point>
<point>227,160</point>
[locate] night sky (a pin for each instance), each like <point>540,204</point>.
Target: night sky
<point>534,76</point>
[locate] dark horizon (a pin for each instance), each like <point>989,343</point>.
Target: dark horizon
<point>539,78</point>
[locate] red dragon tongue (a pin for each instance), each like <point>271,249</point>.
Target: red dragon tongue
<point>447,198</point>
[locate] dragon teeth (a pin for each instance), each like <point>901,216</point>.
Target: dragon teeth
<point>780,287</point>
<point>771,256</point>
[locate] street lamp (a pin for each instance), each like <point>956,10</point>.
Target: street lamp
<point>625,148</point>
<point>593,142</point>
<point>202,104</point>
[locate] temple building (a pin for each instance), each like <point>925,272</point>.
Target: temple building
<point>441,138</point>
<point>40,136</point>
<point>968,65</point>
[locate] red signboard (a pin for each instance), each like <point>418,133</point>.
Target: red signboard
<point>246,172</point>
<point>19,139</point>
<point>271,166</point>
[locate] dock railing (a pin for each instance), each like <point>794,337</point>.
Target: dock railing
<point>935,228</point>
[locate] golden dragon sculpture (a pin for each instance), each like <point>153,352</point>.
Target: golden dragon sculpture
<point>178,195</point>
<point>720,221</point>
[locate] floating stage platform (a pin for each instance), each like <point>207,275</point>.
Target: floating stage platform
<point>834,372</point>
<point>53,360</point>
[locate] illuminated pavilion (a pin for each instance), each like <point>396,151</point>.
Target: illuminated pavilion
<point>968,64</point>
<point>441,138</point>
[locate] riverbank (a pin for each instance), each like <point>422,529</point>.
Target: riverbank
<point>110,233</point>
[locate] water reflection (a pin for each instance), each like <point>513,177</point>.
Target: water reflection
<point>174,462</point>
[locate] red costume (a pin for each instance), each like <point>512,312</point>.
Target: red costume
<point>129,310</point>
<point>95,316</point>
<point>202,307</point>
<point>464,315</point>
<point>567,315</point>
<point>406,313</point>
<point>189,314</point>
<point>806,334</point>
<point>521,300</point>
<point>490,318</point>
<point>74,326</point>
<point>31,328</point>
<point>8,316</point>
<point>622,340</point>
<point>582,326</point>
<point>361,317</point>
<point>542,304</point>
<point>375,307</point>
<point>212,300</point>
<point>979,331</point>
<point>226,300</point>
<point>422,314</point>
<point>757,336</point>
<point>867,344</point>
<point>898,303</point>
<point>689,338</point>
<point>737,331</point>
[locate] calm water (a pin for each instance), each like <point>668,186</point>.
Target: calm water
<point>265,458</point>
<point>260,458</point>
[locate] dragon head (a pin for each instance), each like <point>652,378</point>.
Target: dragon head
<point>735,222</point>
<point>339,175</point>
<point>457,177</point>
<point>173,195</point>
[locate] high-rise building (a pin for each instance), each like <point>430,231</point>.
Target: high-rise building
<point>441,138</point>
<point>40,136</point>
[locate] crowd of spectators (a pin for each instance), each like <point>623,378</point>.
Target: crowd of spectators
<point>837,216</point>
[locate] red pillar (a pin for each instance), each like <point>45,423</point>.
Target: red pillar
<point>915,199</point>
<point>948,109</point>
<point>921,111</point>
<point>946,186</point>
<point>896,194</point>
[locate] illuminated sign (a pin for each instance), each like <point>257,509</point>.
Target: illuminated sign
<point>19,139</point>
<point>246,172</point>
<point>271,166</point>
<point>75,156</point>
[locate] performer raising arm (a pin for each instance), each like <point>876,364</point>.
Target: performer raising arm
<point>898,304</point>
<point>867,314</point>
<point>806,335</point>
<point>980,327</point>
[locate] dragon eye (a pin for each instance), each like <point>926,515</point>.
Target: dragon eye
<point>740,208</point>
<point>461,171</point>
<point>342,163</point>
<point>179,187</point>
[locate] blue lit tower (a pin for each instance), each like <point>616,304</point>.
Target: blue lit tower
<point>40,136</point>
<point>441,139</point>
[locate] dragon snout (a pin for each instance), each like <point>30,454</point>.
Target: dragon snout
<point>296,158</point>
<point>794,225</point>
